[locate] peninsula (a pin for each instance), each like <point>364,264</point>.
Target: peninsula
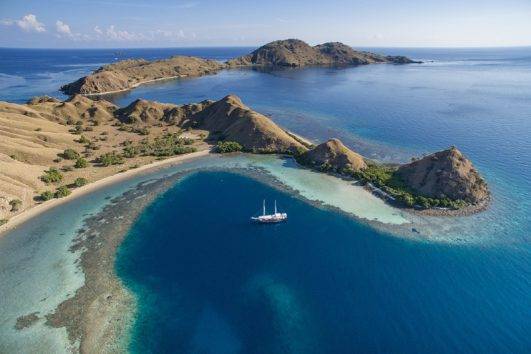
<point>48,147</point>
<point>128,74</point>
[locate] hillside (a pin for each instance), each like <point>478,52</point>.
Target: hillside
<point>230,119</point>
<point>128,74</point>
<point>34,137</point>
<point>333,156</point>
<point>296,53</point>
<point>444,174</point>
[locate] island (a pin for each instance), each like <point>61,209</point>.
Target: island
<point>128,74</point>
<point>297,53</point>
<point>50,147</point>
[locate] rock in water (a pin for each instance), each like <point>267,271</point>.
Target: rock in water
<point>445,174</point>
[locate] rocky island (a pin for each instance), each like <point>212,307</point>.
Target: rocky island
<point>297,53</point>
<point>128,74</point>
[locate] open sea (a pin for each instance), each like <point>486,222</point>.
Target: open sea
<point>208,281</point>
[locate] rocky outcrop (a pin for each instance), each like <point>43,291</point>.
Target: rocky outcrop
<point>128,74</point>
<point>230,119</point>
<point>445,174</point>
<point>296,53</point>
<point>333,156</point>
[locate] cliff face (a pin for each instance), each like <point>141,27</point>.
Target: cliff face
<point>128,74</point>
<point>333,155</point>
<point>294,52</point>
<point>445,174</point>
<point>230,119</point>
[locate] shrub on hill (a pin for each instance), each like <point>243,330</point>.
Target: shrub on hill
<point>224,147</point>
<point>52,175</point>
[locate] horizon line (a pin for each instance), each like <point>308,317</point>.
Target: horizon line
<point>257,46</point>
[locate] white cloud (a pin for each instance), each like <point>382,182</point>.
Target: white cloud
<point>63,29</point>
<point>98,30</point>
<point>119,35</point>
<point>30,23</point>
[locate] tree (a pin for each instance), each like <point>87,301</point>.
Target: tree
<point>70,154</point>
<point>62,191</point>
<point>224,147</point>
<point>110,158</point>
<point>15,204</point>
<point>52,175</point>
<point>47,195</point>
<point>79,182</point>
<point>81,163</point>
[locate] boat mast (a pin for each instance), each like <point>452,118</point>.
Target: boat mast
<point>275,206</point>
<point>263,208</point>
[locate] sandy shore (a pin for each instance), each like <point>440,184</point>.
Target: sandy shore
<point>40,208</point>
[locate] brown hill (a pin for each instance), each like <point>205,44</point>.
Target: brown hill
<point>29,143</point>
<point>75,108</point>
<point>230,119</point>
<point>445,174</point>
<point>128,74</point>
<point>333,156</point>
<point>296,53</point>
<point>151,112</point>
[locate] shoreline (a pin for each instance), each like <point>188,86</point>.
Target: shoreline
<point>38,209</point>
<point>135,85</point>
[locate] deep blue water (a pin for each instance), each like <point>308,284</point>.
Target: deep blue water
<point>211,282</point>
<point>323,277</point>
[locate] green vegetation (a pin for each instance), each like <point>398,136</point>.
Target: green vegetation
<point>52,175</point>
<point>224,147</point>
<point>166,145</point>
<point>70,154</point>
<point>3,221</point>
<point>15,204</point>
<point>81,163</point>
<point>80,182</point>
<point>47,195</point>
<point>62,191</point>
<point>110,158</point>
<point>385,178</point>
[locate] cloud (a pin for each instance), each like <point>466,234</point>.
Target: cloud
<point>98,30</point>
<point>63,29</point>
<point>29,23</point>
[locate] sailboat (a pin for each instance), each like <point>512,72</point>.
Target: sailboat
<point>270,218</point>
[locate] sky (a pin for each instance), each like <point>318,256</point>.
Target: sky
<point>200,23</point>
